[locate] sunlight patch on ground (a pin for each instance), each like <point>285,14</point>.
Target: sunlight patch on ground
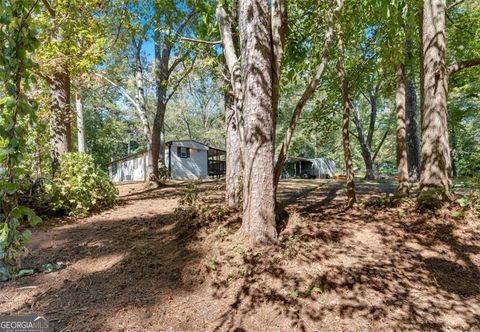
<point>103,263</point>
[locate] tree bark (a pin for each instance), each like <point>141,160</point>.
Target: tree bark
<point>413,142</point>
<point>61,118</point>
<point>162,75</point>
<point>435,153</point>
<point>278,14</point>
<point>235,138</point>
<point>258,194</point>
<point>400,100</point>
<point>351,196</point>
<point>80,124</point>
<point>463,65</point>
<point>234,166</point>
<point>233,64</point>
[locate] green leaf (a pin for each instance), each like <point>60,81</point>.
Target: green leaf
<point>3,232</point>
<point>25,236</point>
<point>35,220</point>
<point>25,272</point>
<point>463,202</point>
<point>9,188</point>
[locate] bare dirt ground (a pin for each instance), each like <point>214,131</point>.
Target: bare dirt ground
<point>139,267</point>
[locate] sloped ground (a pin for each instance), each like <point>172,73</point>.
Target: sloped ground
<point>138,267</point>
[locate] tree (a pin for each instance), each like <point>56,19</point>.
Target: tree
<point>170,23</point>
<point>411,118</point>
<point>435,151</point>
<point>257,85</point>
<point>368,154</point>
<point>351,196</point>
<point>80,123</point>
<point>402,160</point>
<point>235,138</point>
<point>70,43</point>
<point>234,163</point>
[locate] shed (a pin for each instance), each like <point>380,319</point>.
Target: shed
<point>185,159</point>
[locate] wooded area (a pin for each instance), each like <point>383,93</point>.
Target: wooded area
<point>226,93</point>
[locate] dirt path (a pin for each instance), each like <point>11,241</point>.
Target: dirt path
<point>137,268</point>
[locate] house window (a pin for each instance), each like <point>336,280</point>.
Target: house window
<point>183,152</point>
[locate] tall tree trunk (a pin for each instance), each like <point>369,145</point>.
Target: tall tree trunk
<point>258,194</point>
<point>142,105</point>
<point>351,196</point>
<point>60,126</point>
<point>400,100</point>
<point>435,153</point>
<point>162,74</point>
<point>234,171</point>
<point>80,124</point>
<point>157,153</point>
<point>413,142</point>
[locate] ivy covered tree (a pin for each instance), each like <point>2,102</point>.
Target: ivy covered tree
<point>18,39</point>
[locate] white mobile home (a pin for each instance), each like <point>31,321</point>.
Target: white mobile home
<point>186,159</point>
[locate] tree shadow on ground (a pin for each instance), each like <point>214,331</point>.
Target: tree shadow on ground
<point>355,270</point>
<point>364,269</point>
<point>113,265</point>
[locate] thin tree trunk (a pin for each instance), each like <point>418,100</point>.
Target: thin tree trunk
<point>234,166</point>
<point>454,152</point>
<point>278,14</point>
<point>60,125</point>
<point>233,64</point>
<point>400,100</point>
<point>351,196</point>
<point>233,113</point>
<point>373,116</point>
<point>80,124</point>
<point>258,194</point>
<point>156,158</point>
<point>435,153</point>
<point>413,142</point>
<point>141,100</point>
<point>364,147</point>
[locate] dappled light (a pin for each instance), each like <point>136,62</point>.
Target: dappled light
<point>251,165</point>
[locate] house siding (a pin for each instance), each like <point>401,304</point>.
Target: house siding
<point>134,168</point>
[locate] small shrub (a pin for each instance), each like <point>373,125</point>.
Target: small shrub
<point>78,187</point>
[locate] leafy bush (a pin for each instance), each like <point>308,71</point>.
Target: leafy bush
<point>78,187</point>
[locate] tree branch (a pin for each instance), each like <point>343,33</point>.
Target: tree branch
<point>122,90</point>
<point>456,3</point>
<point>380,144</point>
<point>462,65</point>
<point>200,41</point>
<point>176,62</point>
<point>185,74</point>
<point>49,7</point>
